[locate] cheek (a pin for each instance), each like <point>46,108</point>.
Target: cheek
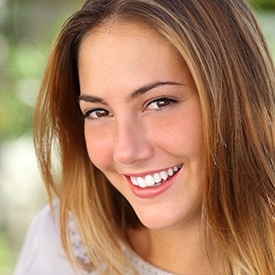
<point>99,147</point>
<point>182,136</point>
<point>192,131</point>
<point>192,136</point>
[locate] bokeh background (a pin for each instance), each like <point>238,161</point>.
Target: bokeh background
<point>27,31</point>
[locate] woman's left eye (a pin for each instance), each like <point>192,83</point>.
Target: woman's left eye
<point>160,103</point>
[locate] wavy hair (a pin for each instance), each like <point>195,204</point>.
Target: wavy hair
<point>224,48</point>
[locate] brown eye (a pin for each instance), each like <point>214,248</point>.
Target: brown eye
<point>96,114</point>
<point>101,113</point>
<point>160,103</point>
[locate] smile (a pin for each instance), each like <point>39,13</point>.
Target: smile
<point>156,179</point>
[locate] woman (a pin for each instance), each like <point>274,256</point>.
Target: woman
<point>171,168</point>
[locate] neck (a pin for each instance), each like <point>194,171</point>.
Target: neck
<point>176,250</point>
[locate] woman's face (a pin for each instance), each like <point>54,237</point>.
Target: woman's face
<point>143,124</point>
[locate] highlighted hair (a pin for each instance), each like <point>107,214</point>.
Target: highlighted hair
<point>227,55</point>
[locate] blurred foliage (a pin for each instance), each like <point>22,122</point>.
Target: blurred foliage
<point>27,29</point>
<point>7,258</point>
<point>262,4</point>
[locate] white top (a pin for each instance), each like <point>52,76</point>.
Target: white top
<point>43,254</point>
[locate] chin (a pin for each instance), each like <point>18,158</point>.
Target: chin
<point>165,221</point>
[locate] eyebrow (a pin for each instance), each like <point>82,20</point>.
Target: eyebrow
<point>134,94</point>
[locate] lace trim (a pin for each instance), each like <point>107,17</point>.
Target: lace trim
<point>141,265</point>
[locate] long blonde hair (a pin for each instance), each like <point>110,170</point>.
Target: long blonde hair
<point>227,55</point>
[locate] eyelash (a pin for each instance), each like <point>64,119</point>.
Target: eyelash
<point>167,102</point>
<point>164,100</point>
<point>89,112</point>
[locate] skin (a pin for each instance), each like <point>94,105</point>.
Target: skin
<point>134,128</point>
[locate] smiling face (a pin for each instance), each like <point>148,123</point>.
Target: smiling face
<point>143,125</point>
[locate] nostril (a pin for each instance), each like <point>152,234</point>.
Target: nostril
<point>132,144</point>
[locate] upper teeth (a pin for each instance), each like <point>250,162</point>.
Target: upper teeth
<point>156,178</point>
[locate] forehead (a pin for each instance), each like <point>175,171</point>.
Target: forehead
<point>125,31</point>
<point>126,57</point>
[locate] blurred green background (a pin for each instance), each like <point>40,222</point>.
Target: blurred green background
<point>27,30</point>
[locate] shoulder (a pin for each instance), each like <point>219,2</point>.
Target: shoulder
<point>42,252</point>
<point>46,220</point>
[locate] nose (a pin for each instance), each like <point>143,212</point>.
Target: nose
<point>131,145</point>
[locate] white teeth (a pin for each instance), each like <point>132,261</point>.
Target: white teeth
<point>141,182</point>
<point>155,179</point>
<point>149,180</point>
<point>170,172</point>
<point>134,181</point>
<point>164,175</point>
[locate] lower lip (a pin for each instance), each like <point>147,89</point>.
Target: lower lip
<point>150,192</point>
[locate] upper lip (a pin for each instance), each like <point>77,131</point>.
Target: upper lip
<point>143,174</point>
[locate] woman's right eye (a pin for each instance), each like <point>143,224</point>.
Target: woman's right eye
<point>96,114</point>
